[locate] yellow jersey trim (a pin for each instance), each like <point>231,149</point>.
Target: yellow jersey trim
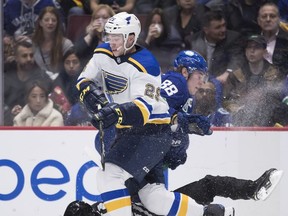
<point>117,204</point>
<point>137,64</point>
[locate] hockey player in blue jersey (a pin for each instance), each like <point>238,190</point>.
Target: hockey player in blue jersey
<point>129,77</point>
<point>204,190</point>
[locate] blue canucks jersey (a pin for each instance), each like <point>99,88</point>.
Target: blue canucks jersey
<point>174,89</point>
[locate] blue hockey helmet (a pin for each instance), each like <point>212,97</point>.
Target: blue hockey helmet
<point>192,61</point>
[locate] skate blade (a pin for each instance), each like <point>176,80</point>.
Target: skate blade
<point>274,178</point>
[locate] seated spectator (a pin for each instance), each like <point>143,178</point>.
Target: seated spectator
<point>152,37</point>
<point>146,6</point>
<point>86,45</point>
<point>64,93</point>
<point>252,92</point>
<point>241,16</point>
<point>276,37</point>
<point>20,16</point>
<point>49,43</point>
<point>219,46</point>
<point>17,74</point>
<point>206,104</point>
<point>74,7</point>
<point>19,22</point>
<point>39,109</point>
<point>184,20</point>
<point>67,78</point>
<point>117,5</point>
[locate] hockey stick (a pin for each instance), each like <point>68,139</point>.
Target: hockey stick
<point>101,131</point>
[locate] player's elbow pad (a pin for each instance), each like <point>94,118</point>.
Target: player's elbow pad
<point>131,114</point>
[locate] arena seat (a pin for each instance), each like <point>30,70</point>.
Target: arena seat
<point>76,25</point>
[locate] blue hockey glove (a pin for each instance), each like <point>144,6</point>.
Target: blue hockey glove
<point>177,153</point>
<point>194,124</point>
<point>108,115</point>
<point>91,96</point>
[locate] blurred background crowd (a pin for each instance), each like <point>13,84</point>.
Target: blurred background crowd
<point>245,43</point>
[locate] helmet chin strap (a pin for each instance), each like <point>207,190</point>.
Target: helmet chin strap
<point>125,46</point>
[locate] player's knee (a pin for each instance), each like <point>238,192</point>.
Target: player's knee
<point>112,174</point>
<point>153,197</point>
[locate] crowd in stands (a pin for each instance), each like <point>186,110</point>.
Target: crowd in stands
<point>245,43</point>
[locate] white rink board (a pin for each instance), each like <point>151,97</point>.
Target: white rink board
<point>62,153</point>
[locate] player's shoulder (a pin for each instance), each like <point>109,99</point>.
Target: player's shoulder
<point>175,77</point>
<point>145,61</point>
<point>105,49</point>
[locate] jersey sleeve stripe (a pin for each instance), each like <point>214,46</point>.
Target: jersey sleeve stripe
<point>103,50</point>
<point>81,81</point>
<point>117,204</point>
<point>160,118</point>
<point>137,65</point>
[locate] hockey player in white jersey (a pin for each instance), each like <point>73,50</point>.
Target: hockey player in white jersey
<point>129,76</point>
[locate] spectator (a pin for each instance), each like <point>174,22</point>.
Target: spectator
<point>19,22</point>
<point>206,104</point>
<point>146,6</point>
<point>276,37</point>
<point>241,16</point>
<point>20,15</point>
<point>67,78</point>
<point>184,20</point>
<point>86,45</point>
<point>39,109</point>
<point>252,92</point>
<point>49,43</point>
<point>64,93</point>
<point>153,35</point>
<point>74,7</point>
<point>117,5</point>
<point>219,46</point>
<point>17,74</point>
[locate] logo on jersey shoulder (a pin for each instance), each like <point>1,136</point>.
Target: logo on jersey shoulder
<point>115,84</point>
<point>187,108</point>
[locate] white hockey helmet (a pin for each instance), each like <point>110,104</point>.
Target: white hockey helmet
<point>125,24</point>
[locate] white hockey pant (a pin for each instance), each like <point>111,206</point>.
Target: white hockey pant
<point>111,185</point>
<point>157,199</point>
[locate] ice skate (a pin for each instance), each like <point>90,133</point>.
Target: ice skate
<point>267,183</point>
<point>139,210</point>
<point>99,208</point>
<point>218,210</point>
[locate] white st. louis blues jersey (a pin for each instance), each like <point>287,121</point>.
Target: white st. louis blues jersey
<point>134,78</point>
